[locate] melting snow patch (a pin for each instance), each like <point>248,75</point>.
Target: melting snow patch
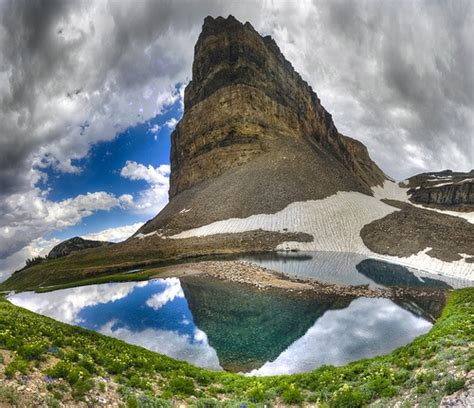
<point>335,223</point>
<point>142,236</point>
<point>391,191</point>
<point>441,184</point>
<point>469,216</point>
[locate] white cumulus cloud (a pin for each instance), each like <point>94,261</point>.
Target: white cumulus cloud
<point>172,291</point>
<point>171,123</point>
<point>155,197</point>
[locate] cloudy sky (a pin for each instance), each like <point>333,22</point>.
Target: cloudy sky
<point>90,91</point>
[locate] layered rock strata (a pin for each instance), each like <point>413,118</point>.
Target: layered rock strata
<point>254,136</point>
<point>445,190</point>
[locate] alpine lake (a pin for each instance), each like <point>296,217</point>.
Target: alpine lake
<point>229,326</point>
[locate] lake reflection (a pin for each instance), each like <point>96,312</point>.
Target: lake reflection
<point>366,328</point>
<point>344,268</point>
<point>217,324</point>
<point>152,314</point>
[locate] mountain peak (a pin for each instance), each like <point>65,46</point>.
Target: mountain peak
<point>254,136</point>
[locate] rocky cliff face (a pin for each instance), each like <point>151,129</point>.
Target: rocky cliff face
<point>254,136</point>
<point>446,189</point>
<point>244,98</point>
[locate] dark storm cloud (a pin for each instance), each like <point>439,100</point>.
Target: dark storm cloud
<point>65,64</point>
<point>395,74</point>
<point>413,65</point>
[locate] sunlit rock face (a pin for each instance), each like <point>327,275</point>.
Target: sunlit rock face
<point>243,99</point>
<point>254,136</point>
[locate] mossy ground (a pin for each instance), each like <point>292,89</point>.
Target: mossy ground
<point>73,363</point>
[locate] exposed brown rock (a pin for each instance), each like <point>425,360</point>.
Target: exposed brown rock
<point>254,136</point>
<point>446,190</point>
<point>406,232</point>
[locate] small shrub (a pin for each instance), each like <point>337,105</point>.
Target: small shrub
<point>88,365</point>
<point>425,378</point>
<point>182,385</point>
<point>453,384</point>
<point>17,365</point>
<point>381,386</point>
<point>81,387</point>
<point>257,393</point>
<point>421,389</point>
<point>292,395</point>
<point>69,372</point>
<point>32,351</point>
<point>346,397</point>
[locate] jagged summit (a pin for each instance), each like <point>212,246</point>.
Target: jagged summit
<point>254,136</point>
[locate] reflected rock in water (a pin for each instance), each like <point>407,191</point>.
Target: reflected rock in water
<point>389,274</point>
<point>217,324</point>
<point>246,327</point>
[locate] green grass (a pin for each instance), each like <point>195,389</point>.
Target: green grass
<point>417,371</point>
<point>86,268</point>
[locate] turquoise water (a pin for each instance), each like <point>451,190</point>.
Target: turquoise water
<point>228,326</point>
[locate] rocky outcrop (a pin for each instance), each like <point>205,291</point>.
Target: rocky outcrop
<point>412,229</point>
<point>254,136</point>
<point>446,189</point>
<point>73,245</point>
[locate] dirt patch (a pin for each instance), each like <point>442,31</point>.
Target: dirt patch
<point>411,230</point>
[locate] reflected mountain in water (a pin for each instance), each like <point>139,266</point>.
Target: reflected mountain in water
<point>389,274</point>
<point>250,329</point>
<point>247,327</point>
<point>216,324</point>
<point>343,268</point>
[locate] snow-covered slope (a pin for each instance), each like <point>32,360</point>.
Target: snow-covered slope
<point>468,216</point>
<point>335,223</point>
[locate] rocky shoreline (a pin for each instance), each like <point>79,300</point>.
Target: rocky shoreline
<point>263,279</point>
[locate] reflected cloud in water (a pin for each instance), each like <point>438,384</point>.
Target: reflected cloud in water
<point>366,328</point>
<point>240,329</point>
<point>194,349</point>
<point>152,314</point>
<point>66,304</point>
